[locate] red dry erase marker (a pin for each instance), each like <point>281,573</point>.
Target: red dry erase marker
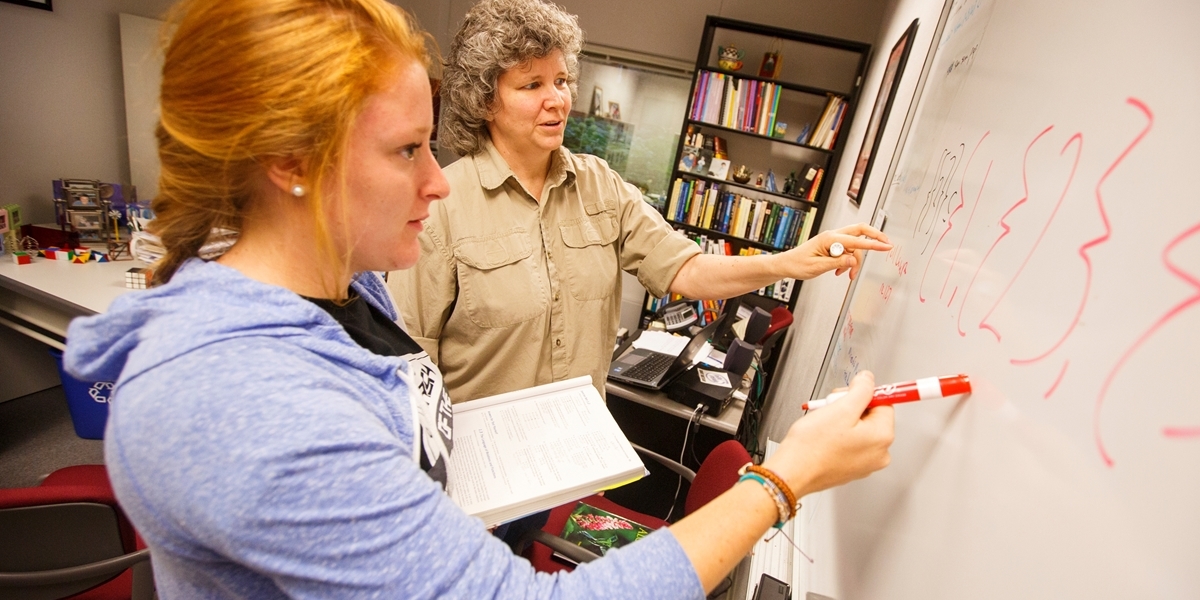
<point>909,391</point>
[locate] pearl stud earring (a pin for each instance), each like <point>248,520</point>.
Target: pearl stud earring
<point>298,191</point>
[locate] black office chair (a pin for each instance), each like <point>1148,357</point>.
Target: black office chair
<point>68,536</point>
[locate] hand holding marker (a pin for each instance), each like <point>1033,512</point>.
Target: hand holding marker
<point>908,391</point>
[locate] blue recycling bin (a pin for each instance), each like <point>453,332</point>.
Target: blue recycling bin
<point>86,400</point>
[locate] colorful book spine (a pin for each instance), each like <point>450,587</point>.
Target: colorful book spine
<point>808,226</point>
<point>816,185</point>
<point>673,203</point>
<point>769,227</point>
<point>727,214</point>
<point>785,222</point>
<point>685,201</point>
<point>790,236</point>
<point>837,125</point>
<point>685,187</point>
<point>731,109</point>
<point>710,204</point>
<point>697,200</point>
<point>774,111</point>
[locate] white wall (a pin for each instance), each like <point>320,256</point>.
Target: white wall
<point>62,98</point>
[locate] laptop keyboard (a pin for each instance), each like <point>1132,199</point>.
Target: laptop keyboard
<point>650,367</point>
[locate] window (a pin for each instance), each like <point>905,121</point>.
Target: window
<point>630,112</point>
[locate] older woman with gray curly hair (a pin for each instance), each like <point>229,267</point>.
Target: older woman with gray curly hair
<point>519,281</point>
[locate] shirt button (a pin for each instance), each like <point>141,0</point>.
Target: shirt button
<point>558,342</point>
<point>556,296</point>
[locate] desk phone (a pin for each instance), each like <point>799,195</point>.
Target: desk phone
<point>678,316</point>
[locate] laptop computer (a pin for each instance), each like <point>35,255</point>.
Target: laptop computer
<point>654,370</point>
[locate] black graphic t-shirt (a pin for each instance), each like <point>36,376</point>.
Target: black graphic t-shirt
<point>372,330</point>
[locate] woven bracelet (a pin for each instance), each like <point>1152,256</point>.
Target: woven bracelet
<point>776,496</point>
<point>792,502</point>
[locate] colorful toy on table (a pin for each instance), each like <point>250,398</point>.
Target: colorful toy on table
<point>80,256</point>
<point>53,253</point>
<point>22,258</point>
<point>138,278</point>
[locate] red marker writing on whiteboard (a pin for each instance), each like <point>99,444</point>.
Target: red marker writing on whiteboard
<point>909,391</point>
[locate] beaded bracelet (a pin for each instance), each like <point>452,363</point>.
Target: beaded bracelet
<point>792,501</point>
<point>785,500</point>
<point>776,496</point>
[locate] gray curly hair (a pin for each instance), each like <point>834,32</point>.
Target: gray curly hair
<point>497,35</point>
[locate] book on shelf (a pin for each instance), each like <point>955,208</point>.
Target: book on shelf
<point>805,134</point>
<point>825,133</point>
<point>782,290</point>
<point>530,450</point>
<point>599,531</point>
<point>806,231</point>
<point>816,185</point>
<point>737,103</point>
<point>804,183</point>
<point>673,199</point>
<point>703,204</point>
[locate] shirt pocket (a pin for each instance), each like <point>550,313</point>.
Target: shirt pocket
<point>499,280</point>
<point>590,253</point>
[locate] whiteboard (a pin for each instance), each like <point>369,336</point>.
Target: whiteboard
<point>1046,226</point>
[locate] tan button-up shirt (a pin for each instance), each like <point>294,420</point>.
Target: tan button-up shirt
<point>510,293</point>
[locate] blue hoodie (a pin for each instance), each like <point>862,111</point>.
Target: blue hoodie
<point>261,453</point>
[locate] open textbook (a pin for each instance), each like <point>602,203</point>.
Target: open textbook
<point>530,450</point>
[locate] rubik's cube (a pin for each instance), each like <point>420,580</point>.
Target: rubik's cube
<point>22,258</point>
<point>138,278</point>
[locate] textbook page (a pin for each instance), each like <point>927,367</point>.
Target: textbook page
<point>530,450</point>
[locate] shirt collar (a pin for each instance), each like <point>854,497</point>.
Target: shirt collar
<point>494,170</point>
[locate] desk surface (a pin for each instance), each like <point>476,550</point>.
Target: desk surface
<point>726,422</point>
<point>49,293</point>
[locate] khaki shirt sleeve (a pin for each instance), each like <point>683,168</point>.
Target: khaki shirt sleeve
<point>425,294</point>
<point>650,249</point>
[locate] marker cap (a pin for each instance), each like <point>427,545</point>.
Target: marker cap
<point>958,384</point>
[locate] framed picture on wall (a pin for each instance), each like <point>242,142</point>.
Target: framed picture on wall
<point>879,113</point>
<point>42,4</point>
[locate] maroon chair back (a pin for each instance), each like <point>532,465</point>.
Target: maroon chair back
<point>717,473</point>
<point>780,317</point>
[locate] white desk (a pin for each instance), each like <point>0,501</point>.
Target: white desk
<point>40,299</point>
<point>37,302</point>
